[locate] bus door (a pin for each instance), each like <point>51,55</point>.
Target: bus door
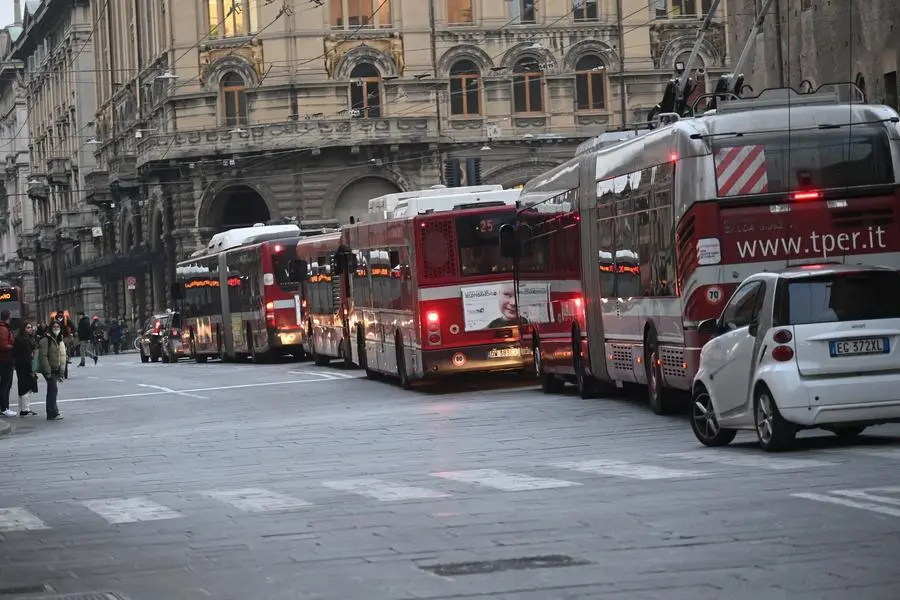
<point>594,203</point>
<point>224,335</point>
<point>345,265</point>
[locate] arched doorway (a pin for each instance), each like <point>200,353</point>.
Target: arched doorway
<point>354,200</point>
<point>237,206</point>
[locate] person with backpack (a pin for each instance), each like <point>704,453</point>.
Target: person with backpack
<point>52,362</point>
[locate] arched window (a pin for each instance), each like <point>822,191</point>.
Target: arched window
<point>590,83</point>
<point>234,100</point>
<point>365,91</point>
<point>465,88</point>
<point>528,86</point>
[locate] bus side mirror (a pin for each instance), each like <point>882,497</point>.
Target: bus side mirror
<point>177,291</point>
<point>508,241</point>
<point>523,237</point>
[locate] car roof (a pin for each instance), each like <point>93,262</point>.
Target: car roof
<point>820,269</point>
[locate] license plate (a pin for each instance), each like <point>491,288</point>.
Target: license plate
<point>862,346</point>
<point>505,353</point>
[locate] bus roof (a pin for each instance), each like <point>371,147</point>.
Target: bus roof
<point>382,206</point>
<point>243,235</point>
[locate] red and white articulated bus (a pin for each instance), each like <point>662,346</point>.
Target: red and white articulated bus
<point>240,298</point>
<point>324,327</point>
<point>427,292</point>
<point>668,223</point>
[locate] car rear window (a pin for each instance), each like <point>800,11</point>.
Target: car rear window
<point>833,298</point>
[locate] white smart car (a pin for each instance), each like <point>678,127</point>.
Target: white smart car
<point>810,346</point>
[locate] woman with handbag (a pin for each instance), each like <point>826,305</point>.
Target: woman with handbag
<point>25,357</point>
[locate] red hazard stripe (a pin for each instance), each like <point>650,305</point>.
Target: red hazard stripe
<point>742,168</point>
<point>726,160</point>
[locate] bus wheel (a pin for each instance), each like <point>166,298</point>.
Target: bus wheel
<point>587,387</point>
<point>550,384</point>
<point>402,375</point>
<point>661,400</point>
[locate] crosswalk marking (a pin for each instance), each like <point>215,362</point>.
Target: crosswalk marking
<point>869,506</point>
<point>130,510</point>
<point>382,490</point>
<point>754,461</point>
<point>257,500</point>
<point>19,519</point>
<point>506,482</point>
<point>616,468</point>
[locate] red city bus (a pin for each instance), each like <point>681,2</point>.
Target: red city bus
<point>678,216</point>
<point>428,293</point>
<point>11,300</point>
<point>240,298</point>
<point>324,327</point>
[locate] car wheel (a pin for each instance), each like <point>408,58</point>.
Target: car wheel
<point>550,384</point>
<point>773,431</point>
<point>704,423</point>
<point>847,433</point>
<point>144,357</point>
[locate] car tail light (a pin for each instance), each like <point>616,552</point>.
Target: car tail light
<point>782,336</point>
<point>156,327</point>
<point>175,332</point>
<point>433,325</point>
<point>782,353</point>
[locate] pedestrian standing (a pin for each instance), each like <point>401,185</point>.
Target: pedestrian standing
<point>6,364</point>
<point>115,336</point>
<point>24,355</point>
<point>52,361</point>
<point>85,339</point>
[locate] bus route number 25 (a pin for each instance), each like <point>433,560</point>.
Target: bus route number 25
<point>486,226</point>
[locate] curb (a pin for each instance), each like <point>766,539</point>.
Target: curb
<point>5,428</point>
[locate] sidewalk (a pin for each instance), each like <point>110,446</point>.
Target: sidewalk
<point>5,427</point>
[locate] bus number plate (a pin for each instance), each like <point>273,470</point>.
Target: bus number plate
<point>505,353</point>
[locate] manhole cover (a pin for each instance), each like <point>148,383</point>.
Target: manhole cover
<point>509,564</point>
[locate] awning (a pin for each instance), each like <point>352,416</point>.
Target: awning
<point>113,265</point>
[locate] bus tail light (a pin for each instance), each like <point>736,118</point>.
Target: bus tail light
<point>808,195</point>
<point>433,327</point>
<point>782,336</point>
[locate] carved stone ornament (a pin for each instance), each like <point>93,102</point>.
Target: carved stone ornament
<point>246,59</point>
<point>342,55</point>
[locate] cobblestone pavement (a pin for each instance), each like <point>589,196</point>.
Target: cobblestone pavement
<point>270,482</point>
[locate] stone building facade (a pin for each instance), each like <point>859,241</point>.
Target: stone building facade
<point>821,41</point>
<point>57,55</point>
<point>16,212</point>
<point>213,114</point>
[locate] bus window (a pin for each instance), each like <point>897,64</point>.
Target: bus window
<point>478,240</point>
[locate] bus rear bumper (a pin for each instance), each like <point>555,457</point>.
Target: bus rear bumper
<point>487,357</point>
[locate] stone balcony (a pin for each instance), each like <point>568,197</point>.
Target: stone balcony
<point>46,236</point>
<point>27,245</point>
<point>289,135</point>
<point>71,222</point>
<point>59,169</point>
<point>37,187</point>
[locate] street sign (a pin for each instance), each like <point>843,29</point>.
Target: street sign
<point>131,282</point>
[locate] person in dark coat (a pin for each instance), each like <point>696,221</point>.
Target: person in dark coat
<point>24,352</point>
<point>6,363</point>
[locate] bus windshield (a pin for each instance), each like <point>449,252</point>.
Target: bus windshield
<point>478,239</point>
<point>287,271</point>
<point>758,163</point>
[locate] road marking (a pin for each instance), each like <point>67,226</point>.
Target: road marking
<point>382,490</point>
<point>256,500</point>
<point>130,510</point>
<point>116,380</point>
<point>615,468</point>
<point>734,458</point>
<point>171,391</point>
<point>866,494</point>
<point>329,374</point>
<point>92,377</point>
<point>507,482</point>
<point>208,389</point>
<point>19,519</point>
<point>883,510</point>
